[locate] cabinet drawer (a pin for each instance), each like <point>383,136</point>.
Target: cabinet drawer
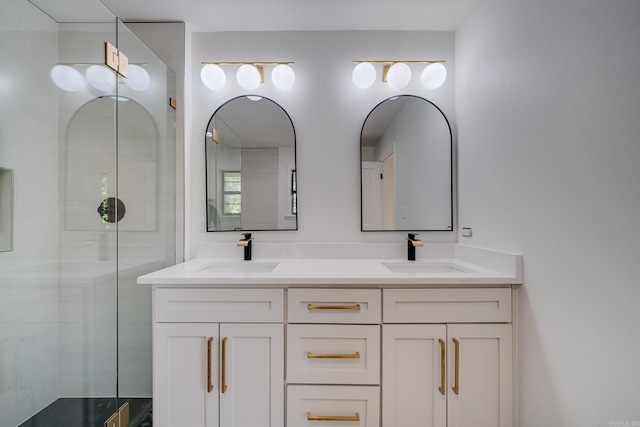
<point>219,305</point>
<point>333,354</point>
<point>343,406</point>
<point>447,305</point>
<point>334,306</point>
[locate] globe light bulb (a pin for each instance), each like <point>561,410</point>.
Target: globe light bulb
<point>434,76</point>
<point>398,75</point>
<point>213,76</point>
<point>138,79</point>
<point>283,77</point>
<point>101,80</point>
<point>248,77</point>
<point>67,78</point>
<point>364,75</point>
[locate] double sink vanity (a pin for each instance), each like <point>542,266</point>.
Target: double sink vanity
<point>294,341</point>
<point>334,334</point>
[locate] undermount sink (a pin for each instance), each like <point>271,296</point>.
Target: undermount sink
<point>238,267</point>
<point>433,267</point>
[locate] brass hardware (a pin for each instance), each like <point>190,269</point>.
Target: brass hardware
<point>209,384</point>
<point>244,242</point>
<point>116,60</point>
<point>113,421</point>
<point>443,371</point>
<point>120,418</point>
<point>260,69</point>
<point>223,374</point>
<point>173,103</point>
<point>250,63</point>
<point>310,355</point>
<point>456,386</point>
<point>415,242</point>
<point>355,417</point>
<point>123,415</point>
<point>123,64</point>
<point>434,61</point>
<point>355,307</point>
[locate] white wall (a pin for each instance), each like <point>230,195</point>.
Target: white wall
<point>327,111</point>
<point>548,109</point>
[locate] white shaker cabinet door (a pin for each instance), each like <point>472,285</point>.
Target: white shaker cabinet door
<point>480,380</point>
<point>252,375</point>
<point>414,386</point>
<point>184,355</point>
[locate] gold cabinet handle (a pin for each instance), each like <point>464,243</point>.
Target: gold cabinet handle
<point>209,384</point>
<point>456,385</point>
<point>443,369</point>
<point>355,355</point>
<point>311,417</point>
<point>223,368</point>
<point>355,307</point>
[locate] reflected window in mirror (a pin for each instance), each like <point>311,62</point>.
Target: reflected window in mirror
<point>250,152</point>
<point>406,150</point>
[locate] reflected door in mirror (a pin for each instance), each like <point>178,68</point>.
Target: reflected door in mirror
<point>406,167</point>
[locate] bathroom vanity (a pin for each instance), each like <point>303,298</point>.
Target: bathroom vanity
<point>336,342</point>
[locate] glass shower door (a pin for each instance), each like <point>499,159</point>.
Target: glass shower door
<point>91,156</point>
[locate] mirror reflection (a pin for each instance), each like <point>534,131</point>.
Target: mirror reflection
<point>406,167</point>
<point>250,151</point>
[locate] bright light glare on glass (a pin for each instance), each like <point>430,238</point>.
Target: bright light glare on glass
<point>364,75</point>
<point>67,78</point>
<point>138,79</point>
<point>248,77</point>
<point>101,80</point>
<point>213,76</point>
<point>398,75</point>
<point>283,77</point>
<point>434,76</point>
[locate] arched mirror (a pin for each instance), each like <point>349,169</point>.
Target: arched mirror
<point>250,151</point>
<point>406,167</point>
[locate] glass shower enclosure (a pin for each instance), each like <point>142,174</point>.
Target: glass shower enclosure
<point>87,204</point>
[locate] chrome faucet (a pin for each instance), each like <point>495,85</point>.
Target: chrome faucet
<point>412,242</point>
<point>246,243</point>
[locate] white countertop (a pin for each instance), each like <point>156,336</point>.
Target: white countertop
<point>502,269</point>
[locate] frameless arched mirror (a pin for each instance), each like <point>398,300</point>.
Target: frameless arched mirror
<point>250,151</point>
<point>406,167</point>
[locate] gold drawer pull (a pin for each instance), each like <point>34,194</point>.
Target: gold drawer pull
<point>209,385</point>
<point>355,307</point>
<point>223,368</point>
<point>456,381</point>
<point>355,355</point>
<point>443,367</point>
<point>310,417</point>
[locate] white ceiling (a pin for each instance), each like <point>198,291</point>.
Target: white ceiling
<point>298,15</point>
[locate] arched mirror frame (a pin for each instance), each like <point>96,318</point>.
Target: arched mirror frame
<point>294,184</point>
<point>450,175</point>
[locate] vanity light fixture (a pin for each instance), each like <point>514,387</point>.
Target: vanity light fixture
<point>398,73</point>
<point>98,79</point>
<point>249,75</point>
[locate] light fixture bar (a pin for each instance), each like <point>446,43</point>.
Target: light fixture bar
<point>435,61</point>
<point>248,62</point>
<point>87,64</point>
